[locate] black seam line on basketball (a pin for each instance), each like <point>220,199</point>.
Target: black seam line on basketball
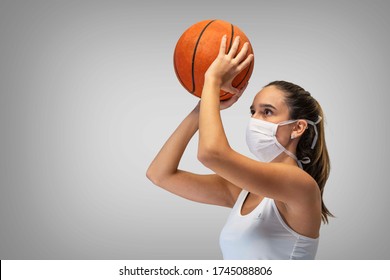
<point>231,39</point>
<point>226,93</point>
<point>194,54</point>
<point>246,74</point>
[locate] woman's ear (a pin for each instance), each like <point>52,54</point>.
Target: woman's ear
<point>299,129</point>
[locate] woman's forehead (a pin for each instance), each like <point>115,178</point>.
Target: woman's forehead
<point>270,95</point>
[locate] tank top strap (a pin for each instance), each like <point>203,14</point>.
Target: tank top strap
<point>240,200</point>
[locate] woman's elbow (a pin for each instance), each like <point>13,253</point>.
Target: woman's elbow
<point>208,157</point>
<point>153,176</point>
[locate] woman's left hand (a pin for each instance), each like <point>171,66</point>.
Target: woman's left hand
<point>227,66</point>
<point>224,104</point>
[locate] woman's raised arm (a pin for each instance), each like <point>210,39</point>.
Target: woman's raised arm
<point>164,172</point>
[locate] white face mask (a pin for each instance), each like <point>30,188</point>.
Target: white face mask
<point>262,142</point>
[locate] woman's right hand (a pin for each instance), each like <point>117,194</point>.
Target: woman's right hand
<point>227,66</point>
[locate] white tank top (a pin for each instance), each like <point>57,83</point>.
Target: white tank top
<point>262,234</point>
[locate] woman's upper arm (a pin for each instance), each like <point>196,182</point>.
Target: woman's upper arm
<point>208,189</point>
<point>279,181</point>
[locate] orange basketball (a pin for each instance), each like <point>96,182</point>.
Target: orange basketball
<point>198,47</point>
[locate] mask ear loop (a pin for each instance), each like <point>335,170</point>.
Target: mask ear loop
<point>306,160</point>
<point>314,124</point>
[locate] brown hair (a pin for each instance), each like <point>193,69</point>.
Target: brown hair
<point>303,106</point>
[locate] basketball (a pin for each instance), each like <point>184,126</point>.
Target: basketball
<point>199,46</point>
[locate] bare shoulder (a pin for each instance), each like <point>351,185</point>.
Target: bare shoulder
<point>304,214</point>
<point>302,183</point>
<point>310,194</point>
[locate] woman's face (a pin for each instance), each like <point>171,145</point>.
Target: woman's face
<point>269,105</point>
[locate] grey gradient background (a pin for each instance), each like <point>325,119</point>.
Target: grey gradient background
<point>88,95</point>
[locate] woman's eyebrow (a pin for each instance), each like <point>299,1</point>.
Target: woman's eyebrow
<point>263,106</point>
<point>267,106</point>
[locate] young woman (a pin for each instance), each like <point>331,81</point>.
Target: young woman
<point>277,201</point>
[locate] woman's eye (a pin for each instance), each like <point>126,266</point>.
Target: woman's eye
<point>252,112</point>
<point>267,112</point>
